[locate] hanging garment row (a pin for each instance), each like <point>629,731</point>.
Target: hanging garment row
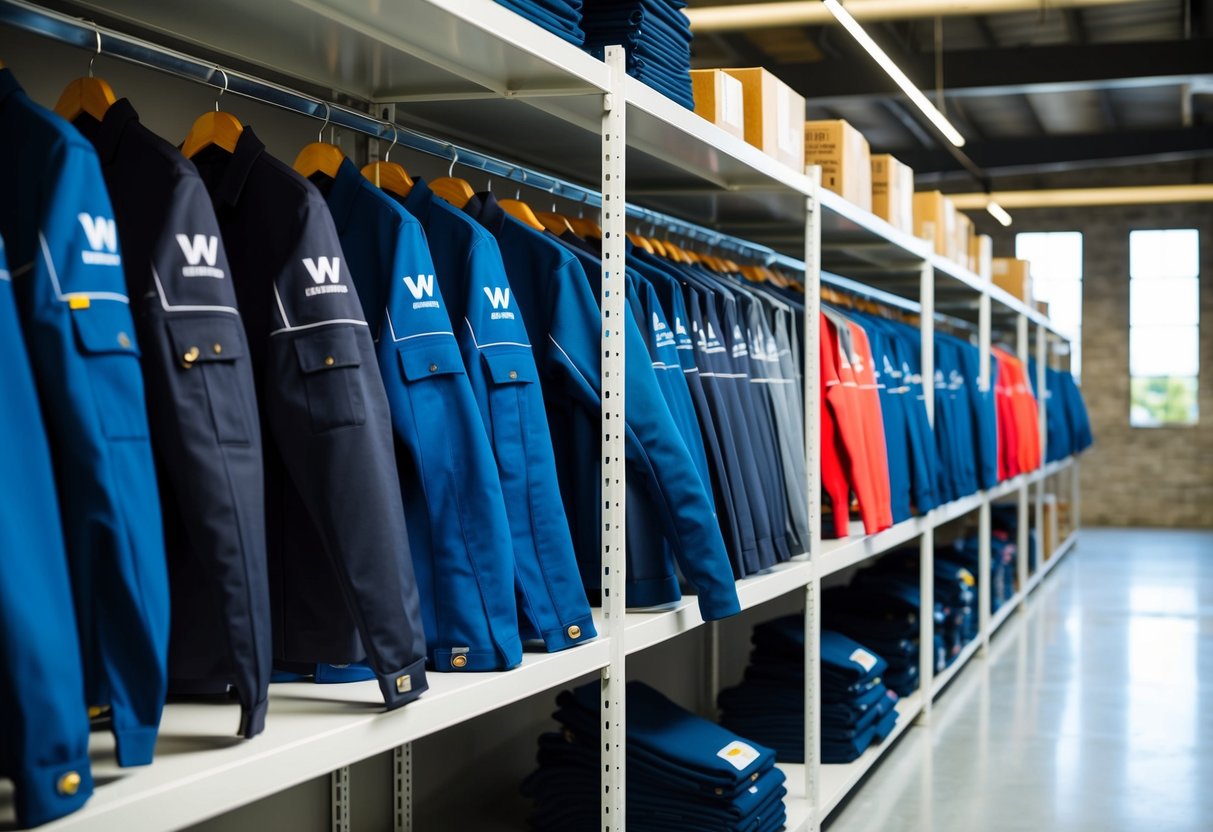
<point>309,422</point>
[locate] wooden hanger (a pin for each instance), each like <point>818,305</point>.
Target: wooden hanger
<point>640,242</point>
<point>387,175</point>
<point>451,188</point>
<point>556,223</point>
<point>320,156</point>
<point>522,212</point>
<point>587,229</point>
<point>213,128</point>
<point>86,95</point>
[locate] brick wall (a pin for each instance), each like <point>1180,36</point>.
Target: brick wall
<point>1133,476</point>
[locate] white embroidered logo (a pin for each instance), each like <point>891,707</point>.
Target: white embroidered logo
<point>201,247</point>
<point>321,269</point>
<point>422,286</point>
<point>102,234</point>
<point>500,298</point>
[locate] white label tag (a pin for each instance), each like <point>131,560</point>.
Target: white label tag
<point>731,97</point>
<point>738,755</point>
<point>864,659</point>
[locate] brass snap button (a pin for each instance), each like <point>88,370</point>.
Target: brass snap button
<point>68,784</point>
<point>217,348</point>
<point>513,374</point>
<point>329,361</point>
<point>124,340</point>
<point>433,368</point>
<point>459,661</point>
<point>574,631</point>
<point>404,684</point>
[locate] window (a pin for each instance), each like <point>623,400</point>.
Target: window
<point>1056,259</point>
<point>1164,326</point>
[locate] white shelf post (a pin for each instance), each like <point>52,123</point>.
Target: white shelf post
<point>1021,538</point>
<point>812,444</point>
<point>926,543</point>
<point>614,600</point>
<point>402,787</point>
<point>984,530</point>
<point>1042,404</point>
<point>339,782</point>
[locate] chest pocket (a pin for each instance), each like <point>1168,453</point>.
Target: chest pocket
<point>331,363</point>
<point>208,350</point>
<point>105,337</point>
<point>512,394</point>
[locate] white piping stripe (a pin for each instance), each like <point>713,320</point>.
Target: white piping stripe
<point>185,307</point>
<point>333,322</point>
<point>50,264</point>
<point>424,335</point>
<point>286,323</point>
<point>481,346</point>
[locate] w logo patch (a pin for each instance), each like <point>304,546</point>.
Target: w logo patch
<point>322,269</point>
<point>102,236</point>
<point>500,298</point>
<point>195,250</point>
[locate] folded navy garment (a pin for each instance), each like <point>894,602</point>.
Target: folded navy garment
<point>566,27</point>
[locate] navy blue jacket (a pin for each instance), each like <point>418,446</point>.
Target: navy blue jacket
<point>489,325</point>
<point>333,506</point>
<point>202,412</point>
<point>71,296</point>
<point>43,718</point>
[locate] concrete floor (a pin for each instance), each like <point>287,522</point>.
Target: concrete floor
<point>1093,712</point>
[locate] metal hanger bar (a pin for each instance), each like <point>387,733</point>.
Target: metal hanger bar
<point>83,33</point>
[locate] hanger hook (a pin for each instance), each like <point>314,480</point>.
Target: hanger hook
<point>328,112</point>
<point>518,192</point>
<point>552,191</point>
<point>93,60</point>
<point>221,91</point>
<point>454,158</point>
<point>395,137</point>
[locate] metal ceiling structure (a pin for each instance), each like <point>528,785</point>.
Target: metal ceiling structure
<point>1050,88</point>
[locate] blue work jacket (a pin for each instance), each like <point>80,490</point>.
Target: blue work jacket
<point>72,299</point>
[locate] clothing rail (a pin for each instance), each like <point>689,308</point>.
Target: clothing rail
<point>852,287</point>
<point>103,40</point>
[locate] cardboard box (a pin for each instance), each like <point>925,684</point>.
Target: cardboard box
<point>981,252</point>
<point>719,99</point>
<point>1051,539</point>
<point>893,192</point>
<point>845,159</point>
<point>773,115</point>
<point>1042,307</point>
<point>1014,276</point>
<point>934,219</point>
<point>960,240</point>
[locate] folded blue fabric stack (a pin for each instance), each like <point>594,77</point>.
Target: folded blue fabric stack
<point>683,772</point>
<point>857,709</point>
<point>656,35</point>
<point>881,612</point>
<point>560,17</point>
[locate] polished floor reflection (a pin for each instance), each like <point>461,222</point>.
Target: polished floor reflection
<point>1092,713</point>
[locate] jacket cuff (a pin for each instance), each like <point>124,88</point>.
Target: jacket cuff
<point>135,745</point>
<point>404,685</point>
<point>578,631</point>
<point>712,608</point>
<point>47,792</point>
<point>252,720</point>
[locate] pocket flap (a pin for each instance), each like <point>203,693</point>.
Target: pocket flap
<point>428,357</point>
<point>206,337</point>
<point>328,349</point>
<point>511,365</point>
<point>105,327</point>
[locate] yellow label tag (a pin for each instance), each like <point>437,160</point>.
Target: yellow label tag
<point>78,302</point>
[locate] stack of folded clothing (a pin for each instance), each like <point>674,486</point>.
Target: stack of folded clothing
<point>955,592</point>
<point>880,609</point>
<point>656,35</point>
<point>683,772</point>
<point>560,17</point>
<point>1002,560</point>
<point>856,707</point>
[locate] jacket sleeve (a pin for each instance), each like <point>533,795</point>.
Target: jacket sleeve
<point>873,425</point>
<point>457,524</point>
<point>43,722</point>
<point>82,344</point>
<point>207,438</point>
<point>833,453</point>
<point>328,413</point>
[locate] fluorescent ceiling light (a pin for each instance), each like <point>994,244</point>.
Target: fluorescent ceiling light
<point>998,212</point>
<point>886,63</point>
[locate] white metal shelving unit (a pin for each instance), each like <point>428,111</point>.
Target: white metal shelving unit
<point>449,69</point>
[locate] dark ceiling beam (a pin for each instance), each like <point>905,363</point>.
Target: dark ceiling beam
<point>898,111</point>
<point>1038,126</point>
<point>1076,30</point>
<point>1059,151</point>
<point>958,112</point>
<point>987,33</point>
<point>1014,71</point>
